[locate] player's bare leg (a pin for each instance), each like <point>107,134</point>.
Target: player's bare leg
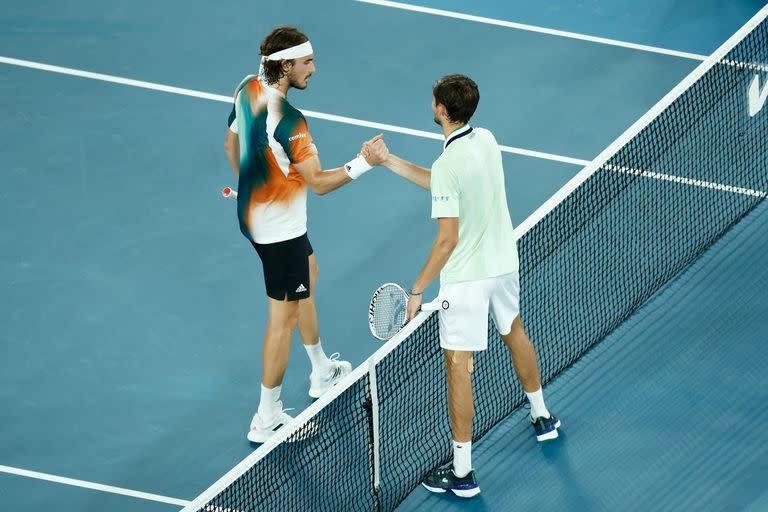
<point>326,371</point>
<point>459,478</point>
<point>523,356</point>
<point>283,318</point>
<point>461,407</point>
<point>527,368</point>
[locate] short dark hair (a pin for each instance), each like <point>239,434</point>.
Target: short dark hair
<point>459,95</point>
<point>279,39</point>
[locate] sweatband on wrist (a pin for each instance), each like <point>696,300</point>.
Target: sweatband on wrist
<point>357,167</point>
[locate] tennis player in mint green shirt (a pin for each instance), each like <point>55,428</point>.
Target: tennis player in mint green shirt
<point>475,253</point>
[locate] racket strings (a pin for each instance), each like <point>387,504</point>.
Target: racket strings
<point>390,312</point>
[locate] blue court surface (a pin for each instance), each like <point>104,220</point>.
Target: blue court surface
<point>133,309</point>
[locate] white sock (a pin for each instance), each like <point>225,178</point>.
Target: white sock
<point>462,458</point>
<point>316,356</point>
<point>537,404</point>
<point>269,403</point>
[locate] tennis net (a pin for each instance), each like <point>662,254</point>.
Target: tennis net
<point>648,205</point>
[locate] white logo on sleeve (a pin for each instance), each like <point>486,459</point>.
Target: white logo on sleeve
<point>756,97</point>
<point>301,288</point>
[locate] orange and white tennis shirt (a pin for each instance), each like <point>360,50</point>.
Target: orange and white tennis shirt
<point>273,135</point>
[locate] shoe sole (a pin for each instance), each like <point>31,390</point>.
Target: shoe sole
<point>549,436</point>
<point>307,431</point>
<point>264,435</point>
<point>461,493</point>
<point>258,438</point>
<point>317,393</point>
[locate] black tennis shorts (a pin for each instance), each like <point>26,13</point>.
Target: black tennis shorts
<point>286,268</point>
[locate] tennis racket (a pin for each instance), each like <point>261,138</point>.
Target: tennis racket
<point>228,192</point>
<point>389,308</point>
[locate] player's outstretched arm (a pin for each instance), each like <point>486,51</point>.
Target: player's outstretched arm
<point>321,182</point>
<point>408,170</point>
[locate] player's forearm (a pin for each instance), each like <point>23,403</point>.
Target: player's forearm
<point>438,257</point>
<point>410,171</point>
<point>232,150</point>
<point>234,162</point>
<point>328,181</point>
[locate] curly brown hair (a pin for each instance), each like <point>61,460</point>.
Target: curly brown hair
<point>279,39</point>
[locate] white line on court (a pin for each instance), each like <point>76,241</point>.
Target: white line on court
<point>533,28</point>
<point>93,486</point>
<point>687,181</point>
<point>309,113</point>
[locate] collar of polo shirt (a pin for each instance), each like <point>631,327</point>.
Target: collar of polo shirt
<point>457,134</point>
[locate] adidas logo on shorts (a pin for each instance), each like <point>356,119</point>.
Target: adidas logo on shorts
<point>301,288</point>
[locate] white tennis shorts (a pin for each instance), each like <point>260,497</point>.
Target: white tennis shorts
<point>464,325</point>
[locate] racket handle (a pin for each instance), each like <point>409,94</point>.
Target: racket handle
<point>228,192</point>
<point>435,305</point>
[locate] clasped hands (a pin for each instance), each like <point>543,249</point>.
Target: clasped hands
<point>375,151</point>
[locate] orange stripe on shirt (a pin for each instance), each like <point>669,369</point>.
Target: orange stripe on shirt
<point>278,188</point>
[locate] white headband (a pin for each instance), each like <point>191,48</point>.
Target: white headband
<point>294,52</point>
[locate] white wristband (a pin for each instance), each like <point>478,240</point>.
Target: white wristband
<point>357,167</point>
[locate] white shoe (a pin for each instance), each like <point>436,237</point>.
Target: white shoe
<point>335,371</point>
<point>262,430</point>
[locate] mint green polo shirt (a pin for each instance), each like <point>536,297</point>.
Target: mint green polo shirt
<point>467,182</point>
